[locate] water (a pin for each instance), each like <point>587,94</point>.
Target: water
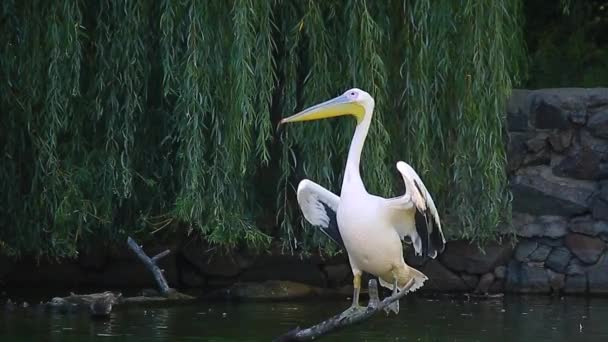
<point>513,318</point>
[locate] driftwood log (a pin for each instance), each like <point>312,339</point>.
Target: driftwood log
<point>102,304</point>
<point>345,318</point>
<point>98,304</point>
<point>151,265</point>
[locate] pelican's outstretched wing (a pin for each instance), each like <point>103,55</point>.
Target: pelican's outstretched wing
<point>319,207</point>
<point>415,215</point>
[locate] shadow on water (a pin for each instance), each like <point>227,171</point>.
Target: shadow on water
<point>512,318</point>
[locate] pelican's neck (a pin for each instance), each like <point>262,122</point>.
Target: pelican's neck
<point>352,176</point>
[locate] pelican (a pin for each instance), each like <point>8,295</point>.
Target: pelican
<point>369,227</point>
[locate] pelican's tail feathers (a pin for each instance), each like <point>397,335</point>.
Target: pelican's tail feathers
<point>404,276</point>
<point>419,279</point>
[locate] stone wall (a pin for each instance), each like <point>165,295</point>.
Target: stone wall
<point>558,167</point>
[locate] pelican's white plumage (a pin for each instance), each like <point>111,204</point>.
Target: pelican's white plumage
<point>416,200</point>
<point>312,199</point>
<point>319,207</point>
<point>371,228</point>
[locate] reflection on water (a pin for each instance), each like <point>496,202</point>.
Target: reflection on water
<point>511,319</point>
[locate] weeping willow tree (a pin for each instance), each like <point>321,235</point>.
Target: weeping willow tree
<point>142,117</point>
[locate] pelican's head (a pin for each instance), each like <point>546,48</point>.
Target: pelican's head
<point>354,102</point>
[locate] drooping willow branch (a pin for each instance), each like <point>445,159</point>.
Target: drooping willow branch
<point>111,122</point>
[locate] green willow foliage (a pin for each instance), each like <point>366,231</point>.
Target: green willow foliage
<point>142,117</point>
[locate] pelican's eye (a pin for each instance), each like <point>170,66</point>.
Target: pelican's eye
<point>352,94</point>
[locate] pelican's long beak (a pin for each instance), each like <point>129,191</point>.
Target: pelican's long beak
<point>338,106</point>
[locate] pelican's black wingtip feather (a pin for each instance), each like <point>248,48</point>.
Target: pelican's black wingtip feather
<point>432,238</point>
<point>422,230</point>
<point>332,228</point>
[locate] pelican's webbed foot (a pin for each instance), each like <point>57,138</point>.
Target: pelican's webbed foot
<point>394,306</point>
<point>355,307</point>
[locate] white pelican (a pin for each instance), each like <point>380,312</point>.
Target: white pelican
<point>371,228</point>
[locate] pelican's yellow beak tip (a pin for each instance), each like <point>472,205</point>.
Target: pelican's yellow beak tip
<point>341,105</point>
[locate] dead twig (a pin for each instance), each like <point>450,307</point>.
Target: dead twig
<point>151,265</point>
<point>343,319</point>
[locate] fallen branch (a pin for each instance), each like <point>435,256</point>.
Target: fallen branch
<point>343,319</point>
<point>151,265</point>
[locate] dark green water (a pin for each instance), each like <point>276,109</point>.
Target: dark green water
<point>510,319</point>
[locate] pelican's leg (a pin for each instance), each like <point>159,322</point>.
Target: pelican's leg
<point>357,288</point>
<point>394,306</point>
<point>372,290</point>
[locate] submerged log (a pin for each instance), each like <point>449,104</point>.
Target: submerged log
<point>101,304</point>
<point>345,318</point>
<point>98,304</point>
<point>150,264</point>
<point>102,307</point>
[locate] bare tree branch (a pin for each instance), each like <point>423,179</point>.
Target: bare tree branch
<point>160,255</point>
<point>343,319</point>
<point>151,265</point>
